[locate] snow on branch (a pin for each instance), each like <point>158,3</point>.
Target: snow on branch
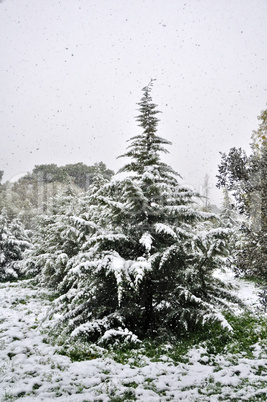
<point>162,228</point>
<point>83,222</point>
<point>146,240</point>
<point>124,270</point>
<point>110,237</point>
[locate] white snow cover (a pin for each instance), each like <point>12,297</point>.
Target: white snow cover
<point>31,370</point>
<point>161,227</point>
<point>147,241</point>
<point>121,267</point>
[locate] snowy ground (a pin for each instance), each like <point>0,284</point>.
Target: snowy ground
<point>31,370</point>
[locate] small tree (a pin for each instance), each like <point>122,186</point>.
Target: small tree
<point>13,242</point>
<point>57,239</point>
<point>205,193</point>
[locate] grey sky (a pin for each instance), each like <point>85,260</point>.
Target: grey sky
<point>72,71</point>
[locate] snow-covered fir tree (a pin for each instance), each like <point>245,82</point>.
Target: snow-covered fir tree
<point>57,240</point>
<point>14,240</point>
<point>235,222</point>
<point>144,254</point>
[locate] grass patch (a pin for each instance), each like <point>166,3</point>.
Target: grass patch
<point>126,396</point>
<point>131,384</point>
<point>248,330</point>
<point>8,397</point>
<point>213,336</point>
<point>21,301</point>
<point>79,351</point>
<point>49,296</point>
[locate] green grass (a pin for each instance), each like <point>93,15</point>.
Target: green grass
<point>126,396</point>
<point>248,330</point>
<point>78,351</point>
<point>21,301</point>
<point>212,337</point>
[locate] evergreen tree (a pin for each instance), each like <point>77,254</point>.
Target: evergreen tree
<point>13,242</point>
<point>229,214</point>
<point>205,193</point>
<point>57,240</point>
<point>145,256</point>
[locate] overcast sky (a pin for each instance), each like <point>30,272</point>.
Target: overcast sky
<point>72,71</point>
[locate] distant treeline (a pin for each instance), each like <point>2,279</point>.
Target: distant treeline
<point>79,174</point>
<point>29,196</point>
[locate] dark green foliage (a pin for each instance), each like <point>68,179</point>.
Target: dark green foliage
<point>78,173</point>
<point>248,330</point>
<point>83,176</point>
<point>47,174</point>
<point>246,178</point>
<point>234,175</point>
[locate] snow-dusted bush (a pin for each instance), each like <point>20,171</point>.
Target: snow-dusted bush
<point>13,242</point>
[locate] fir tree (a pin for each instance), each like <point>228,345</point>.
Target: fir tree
<point>144,254</point>
<point>59,238</point>
<point>133,257</point>
<point>13,242</point>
